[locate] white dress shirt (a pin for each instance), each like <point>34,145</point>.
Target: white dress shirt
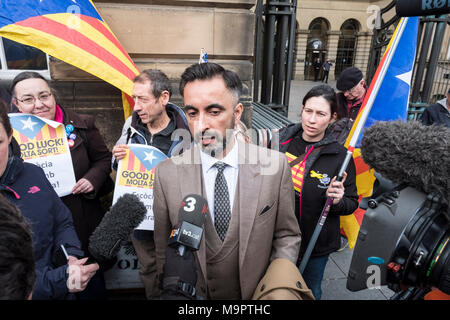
<point>210,172</point>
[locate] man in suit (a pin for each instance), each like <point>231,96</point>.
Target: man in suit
<point>249,191</point>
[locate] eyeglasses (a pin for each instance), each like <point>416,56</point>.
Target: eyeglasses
<point>31,100</point>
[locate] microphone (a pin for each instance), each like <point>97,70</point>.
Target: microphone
<point>191,217</point>
<point>180,271</point>
<point>116,226</point>
<point>415,8</point>
<point>410,153</point>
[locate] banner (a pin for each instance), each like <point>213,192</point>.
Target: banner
<point>135,175</point>
<point>44,143</point>
<point>74,32</point>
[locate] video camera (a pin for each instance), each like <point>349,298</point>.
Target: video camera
<point>404,241</point>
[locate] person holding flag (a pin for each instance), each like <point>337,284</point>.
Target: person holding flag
<point>315,158</point>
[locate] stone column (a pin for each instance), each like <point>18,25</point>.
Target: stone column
<point>363,46</point>
<point>301,39</point>
<point>333,41</point>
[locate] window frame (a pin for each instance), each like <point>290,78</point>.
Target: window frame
<point>9,74</point>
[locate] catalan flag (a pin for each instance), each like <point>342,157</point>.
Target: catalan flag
<point>74,32</point>
<point>387,99</point>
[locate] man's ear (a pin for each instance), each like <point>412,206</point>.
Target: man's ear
<point>164,97</point>
<point>238,110</point>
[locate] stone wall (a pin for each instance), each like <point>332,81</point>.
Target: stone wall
<point>167,35</point>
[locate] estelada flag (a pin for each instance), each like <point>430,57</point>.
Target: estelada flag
<point>387,99</point>
<point>137,169</point>
<point>73,32</point>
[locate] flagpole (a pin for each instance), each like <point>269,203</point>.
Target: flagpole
<point>360,125</point>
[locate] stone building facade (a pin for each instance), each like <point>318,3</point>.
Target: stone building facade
<point>337,30</point>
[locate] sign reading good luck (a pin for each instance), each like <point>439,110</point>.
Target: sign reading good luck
<point>135,175</point>
<point>44,143</point>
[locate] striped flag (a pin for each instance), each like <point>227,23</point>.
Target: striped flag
<point>387,99</point>
<point>73,32</point>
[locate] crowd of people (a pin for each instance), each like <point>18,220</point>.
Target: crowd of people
<point>255,215</point>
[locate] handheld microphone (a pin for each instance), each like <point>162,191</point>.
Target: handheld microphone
<point>116,226</point>
<point>191,217</point>
<point>416,8</point>
<point>410,153</point>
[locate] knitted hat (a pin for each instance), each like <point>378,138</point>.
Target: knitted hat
<point>349,78</point>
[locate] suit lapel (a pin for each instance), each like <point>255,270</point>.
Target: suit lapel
<point>191,182</point>
<point>249,184</point>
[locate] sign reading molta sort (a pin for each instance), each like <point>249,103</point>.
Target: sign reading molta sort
<point>43,143</point>
<point>135,174</point>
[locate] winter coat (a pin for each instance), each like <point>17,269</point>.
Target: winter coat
<point>344,111</point>
<point>91,160</point>
<point>26,186</point>
<point>327,162</point>
<point>436,114</point>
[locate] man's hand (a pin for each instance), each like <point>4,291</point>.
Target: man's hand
<point>119,151</point>
<point>79,273</point>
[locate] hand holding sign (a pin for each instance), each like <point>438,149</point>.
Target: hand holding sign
<point>44,143</point>
<point>135,175</point>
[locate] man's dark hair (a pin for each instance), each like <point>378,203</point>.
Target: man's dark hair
<point>206,71</point>
<point>17,265</point>
<point>158,79</point>
<point>326,92</point>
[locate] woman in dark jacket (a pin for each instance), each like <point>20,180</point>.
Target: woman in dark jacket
<point>314,179</point>
<point>26,186</point>
<point>91,158</point>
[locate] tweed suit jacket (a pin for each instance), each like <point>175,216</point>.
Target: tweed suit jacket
<point>268,228</point>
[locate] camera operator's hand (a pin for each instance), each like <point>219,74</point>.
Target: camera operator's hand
<point>79,273</point>
<point>336,189</point>
<point>178,270</point>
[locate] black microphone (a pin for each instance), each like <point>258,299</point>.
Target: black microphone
<point>116,226</point>
<point>410,153</point>
<point>191,217</point>
<point>417,8</point>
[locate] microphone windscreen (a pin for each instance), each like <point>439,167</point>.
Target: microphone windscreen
<point>116,226</point>
<point>411,153</point>
<point>193,209</point>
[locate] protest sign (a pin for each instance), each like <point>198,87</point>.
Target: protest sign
<point>135,175</point>
<point>44,143</point>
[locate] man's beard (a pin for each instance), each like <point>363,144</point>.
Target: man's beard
<point>219,145</point>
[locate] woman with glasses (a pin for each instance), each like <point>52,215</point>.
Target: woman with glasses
<point>25,186</point>
<point>91,159</point>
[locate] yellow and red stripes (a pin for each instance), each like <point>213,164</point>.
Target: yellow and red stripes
<point>82,41</point>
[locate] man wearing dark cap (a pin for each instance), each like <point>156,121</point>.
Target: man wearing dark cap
<point>438,113</point>
<point>353,90</point>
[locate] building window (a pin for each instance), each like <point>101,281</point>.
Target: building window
<point>316,46</point>
<point>16,57</point>
<point>346,46</point>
